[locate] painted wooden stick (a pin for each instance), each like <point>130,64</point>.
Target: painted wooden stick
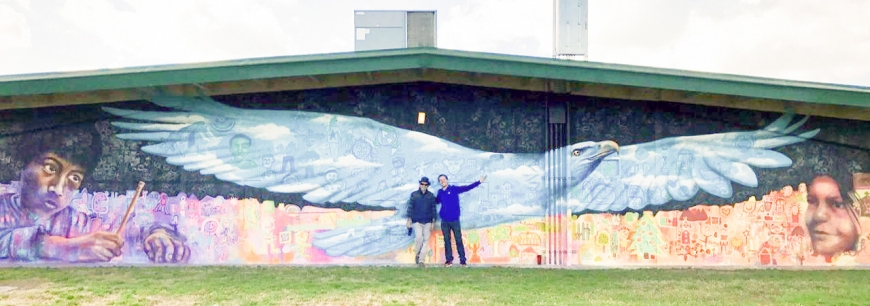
<point>130,208</point>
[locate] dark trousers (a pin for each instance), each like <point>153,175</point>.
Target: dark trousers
<point>446,228</point>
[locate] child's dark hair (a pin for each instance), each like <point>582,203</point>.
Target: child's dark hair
<point>77,143</point>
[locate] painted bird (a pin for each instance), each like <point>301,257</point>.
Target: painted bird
<point>332,158</point>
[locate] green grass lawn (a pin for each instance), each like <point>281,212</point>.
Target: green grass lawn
<point>431,286</point>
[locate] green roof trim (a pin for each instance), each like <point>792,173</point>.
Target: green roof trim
<point>451,60</point>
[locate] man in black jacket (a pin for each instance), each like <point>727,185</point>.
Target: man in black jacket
<point>421,216</point>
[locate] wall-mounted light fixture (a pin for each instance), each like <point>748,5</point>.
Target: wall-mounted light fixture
<point>421,118</point>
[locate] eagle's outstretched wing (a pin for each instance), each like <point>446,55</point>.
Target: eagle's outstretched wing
<point>328,158</point>
<point>677,168</point>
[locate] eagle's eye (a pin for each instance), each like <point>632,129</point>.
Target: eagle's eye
<point>576,152</point>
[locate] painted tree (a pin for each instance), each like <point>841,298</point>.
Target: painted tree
<point>473,245</point>
<point>472,237</point>
<point>603,240</point>
<point>647,239</point>
<point>497,234</point>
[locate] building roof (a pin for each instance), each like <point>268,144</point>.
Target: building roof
<point>442,66</point>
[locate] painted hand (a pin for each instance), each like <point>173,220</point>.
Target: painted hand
<point>94,247</point>
<point>163,246</point>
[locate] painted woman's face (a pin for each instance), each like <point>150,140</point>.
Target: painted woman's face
<point>830,221</point>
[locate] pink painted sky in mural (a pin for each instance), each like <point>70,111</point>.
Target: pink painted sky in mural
<point>799,39</point>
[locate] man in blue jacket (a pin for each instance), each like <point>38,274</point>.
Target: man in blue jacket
<point>448,196</point>
<point>421,215</point>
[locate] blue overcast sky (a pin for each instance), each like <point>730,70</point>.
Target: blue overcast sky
<point>809,40</point>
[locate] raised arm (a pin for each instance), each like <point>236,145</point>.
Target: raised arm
<point>461,189</point>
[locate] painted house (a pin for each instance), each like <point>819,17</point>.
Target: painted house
<point>344,138</point>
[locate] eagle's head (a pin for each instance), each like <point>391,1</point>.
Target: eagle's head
<point>585,156</point>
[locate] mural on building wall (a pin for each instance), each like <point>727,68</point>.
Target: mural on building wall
<point>635,202</point>
<point>784,227</point>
